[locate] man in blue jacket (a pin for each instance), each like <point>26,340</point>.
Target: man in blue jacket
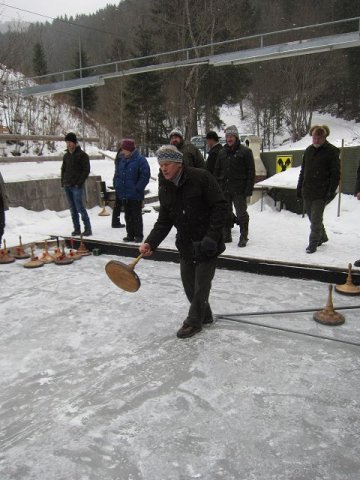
<point>132,174</point>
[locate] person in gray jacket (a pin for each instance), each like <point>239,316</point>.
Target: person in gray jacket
<point>3,206</point>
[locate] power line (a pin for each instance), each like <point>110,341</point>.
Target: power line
<point>67,22</point>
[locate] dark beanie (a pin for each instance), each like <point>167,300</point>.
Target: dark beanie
<point>128,144</point>
<point>212,136</point>
<point>70,137</point>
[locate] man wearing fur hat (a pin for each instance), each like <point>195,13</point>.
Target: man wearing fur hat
<point>191,154</point>
<point>192,202</point>
<point>318,180</point>
<point>235,172</point>
<point>74,171</point>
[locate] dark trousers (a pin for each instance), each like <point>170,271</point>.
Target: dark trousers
<point>133,218</point>
<point>240,204</point>
<point>2,218</point>
<point>116,212</point>
<point>75,197</point>
<point>315,211</point>
<point>196,279</point>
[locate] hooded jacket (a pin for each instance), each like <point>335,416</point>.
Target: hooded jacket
<point>131,176</point>
<point>196,208</point>
<point>75,168</point>
<point>191,155</point>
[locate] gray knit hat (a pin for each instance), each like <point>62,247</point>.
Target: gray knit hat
<point>176,131</point>
<point>232,130</point>
<point>169,153</point>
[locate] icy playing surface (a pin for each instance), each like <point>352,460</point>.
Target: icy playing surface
<point>96,386</point>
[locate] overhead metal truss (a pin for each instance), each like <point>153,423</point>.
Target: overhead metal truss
<point>261,53</point>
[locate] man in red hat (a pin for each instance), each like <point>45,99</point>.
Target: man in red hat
<point>132,174</point>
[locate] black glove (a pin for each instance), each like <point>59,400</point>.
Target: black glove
<point>209,247</point>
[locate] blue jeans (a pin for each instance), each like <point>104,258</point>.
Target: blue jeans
<point>75,197</point>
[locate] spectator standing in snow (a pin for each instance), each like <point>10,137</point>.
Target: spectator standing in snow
<point>235,172</point>
<point>191,154</point>
<point>214,147</point>
<point>191,200</point>
<point>132,174</point>
<point>75,170</point>
<point>357,195</point>
<point>115,219</point>
<point>318,180</point>
<point>3,206</point>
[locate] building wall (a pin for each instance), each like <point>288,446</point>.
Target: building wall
<point>47,194</point>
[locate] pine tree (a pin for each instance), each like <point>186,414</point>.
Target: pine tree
<point>39,60</point>
<point>89,94</point>
<point>144,100</point>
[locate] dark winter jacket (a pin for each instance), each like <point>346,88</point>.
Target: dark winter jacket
<point>131,176</point>
<point>191,155</point>
<point>3,195</point>
<point>235,170</point>
<point>212,157</point>
<point>197,209</point>
<point>357,185</point>
<point>75,168</point>
<point>320,172</point>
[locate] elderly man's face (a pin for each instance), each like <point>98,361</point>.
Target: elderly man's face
<point>175,140</point>
<point>318,139</point>
<point>230,140</point>
<point>170,169</point>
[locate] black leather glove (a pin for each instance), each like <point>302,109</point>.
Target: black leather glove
<point>208,247</point>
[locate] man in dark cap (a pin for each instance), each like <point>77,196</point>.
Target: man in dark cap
<point>192,202</point>
<point>191,154</point>
<point>74,171</point>
<point>318,181</point>
<point>235,172</point>
<point>214,147</point>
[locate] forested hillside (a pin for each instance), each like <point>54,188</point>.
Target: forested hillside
<point>282,93</point>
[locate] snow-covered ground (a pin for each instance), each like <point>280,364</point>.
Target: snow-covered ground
<point>95,385</point>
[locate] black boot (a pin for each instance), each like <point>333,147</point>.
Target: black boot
<point>244,230</point>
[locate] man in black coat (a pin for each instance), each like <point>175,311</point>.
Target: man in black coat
<point>3,206</point>
<point>235,172</point>
<point>190,200</point>
<point>214,147</point>
<point>318,180</point>
<point>74,171</point>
